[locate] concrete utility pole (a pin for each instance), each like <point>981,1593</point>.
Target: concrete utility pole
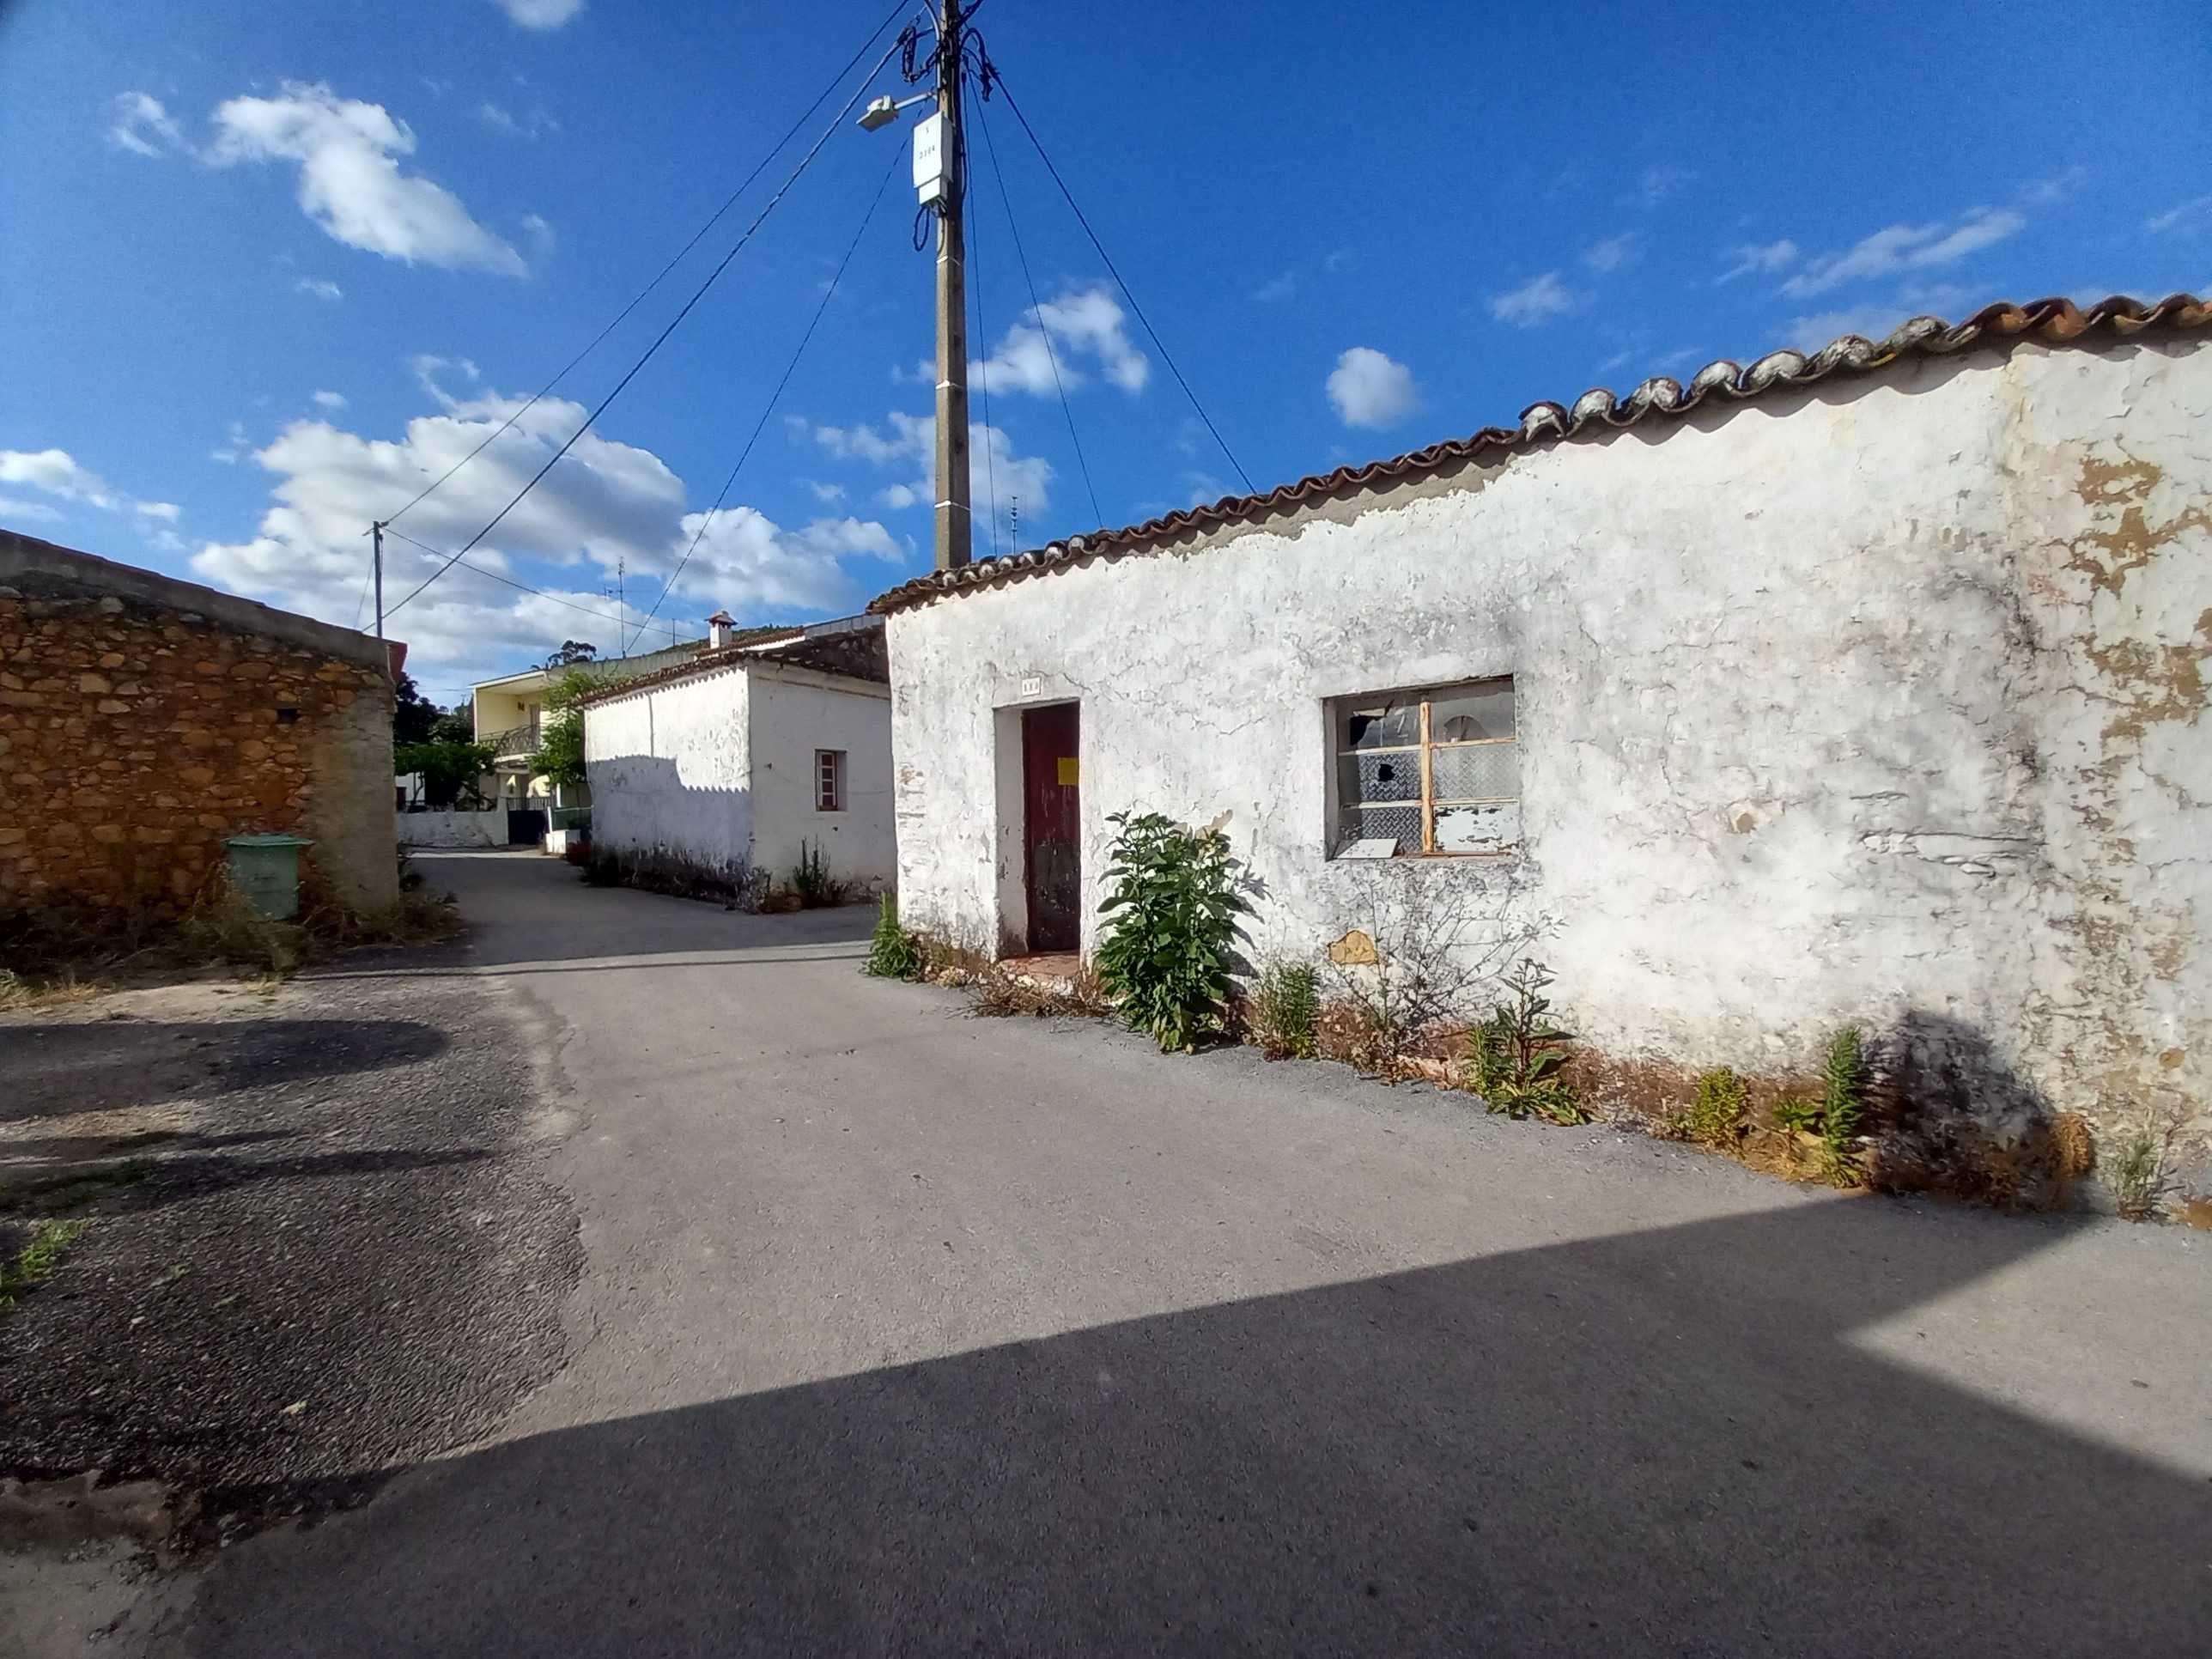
<point>954,531</point>
<point>377,530</point>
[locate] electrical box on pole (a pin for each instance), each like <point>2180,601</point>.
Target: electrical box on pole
<point>931,176</point>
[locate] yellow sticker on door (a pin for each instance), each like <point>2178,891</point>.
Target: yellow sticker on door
<point>1068,771</point>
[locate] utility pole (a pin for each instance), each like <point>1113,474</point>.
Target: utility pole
<point>376,531</point>
<point>954,531</point>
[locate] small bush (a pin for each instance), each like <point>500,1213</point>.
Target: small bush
<point>1843,1072</point>
<point>1517,1052</point>
<point>1170,913</point>
<point>1286,1007</point>
<point>2136,1172</point>
<point>1714,1114</point>
<point>813,882</point>
<point>1796,1115</point>
<point>35,1264</point>
<point>893,953</point>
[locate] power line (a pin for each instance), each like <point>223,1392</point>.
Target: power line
<point>660,339</point>
<point>535,592</point>
<point>991,74</point>
<point>975,265</point>
<point>697,236</point>
<point>790,369</point>
<point>1037,307</point>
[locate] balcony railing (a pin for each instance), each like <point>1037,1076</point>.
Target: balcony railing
<point>517,740</point>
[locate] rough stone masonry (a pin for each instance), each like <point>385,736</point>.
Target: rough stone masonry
<point>145,720</point>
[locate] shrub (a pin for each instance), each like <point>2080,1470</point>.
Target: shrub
<point>1843,1072</point>
<point>1172,910</point>
<point>2136,1171</point>
<point>1285,1007</point>
<point>1517,1052</point>
<point>1714,1114</point>
<point>893,953</point>
<point>1798,1115</point>
<point>449,771</point>
<point>812,881</point>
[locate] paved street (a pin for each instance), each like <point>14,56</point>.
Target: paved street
<point>900,1330</point>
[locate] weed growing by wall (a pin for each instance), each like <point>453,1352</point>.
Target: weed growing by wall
<point>1170,921</point>
<point>1515,1054</point>
<point>893,953</point>
<point>1285,1005</point>
<point>1714,1116</point>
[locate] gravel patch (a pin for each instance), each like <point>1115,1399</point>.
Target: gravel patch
<point>319,1245</point>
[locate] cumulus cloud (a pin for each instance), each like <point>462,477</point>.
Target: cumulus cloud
<point>1369,389</point>
<point>1755,259</point>
<point>331,399</point>
<point>350,182</point>
<point>140,125</point>
<point>57,473</point>
<point>1898,248</point>
<point>540,14</point>
<point>998,476</point>
<point>1536,301</point>
<point>607,502</point>
<point>1277,287</point>
<point>1086,326</point>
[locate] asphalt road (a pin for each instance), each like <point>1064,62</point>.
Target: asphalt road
<point>903,1331</point>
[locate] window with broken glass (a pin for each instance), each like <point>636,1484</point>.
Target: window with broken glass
<point>1427,772</point>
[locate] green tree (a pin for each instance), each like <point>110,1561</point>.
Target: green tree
<point>457,725</point>
<point>413,714</point>
<point>449,770</point>
<point>573,651</point>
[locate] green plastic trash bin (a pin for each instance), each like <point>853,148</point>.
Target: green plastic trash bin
<point>267,871</point>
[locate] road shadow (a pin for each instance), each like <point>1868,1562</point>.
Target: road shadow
<point>1664,1440</point>
<point>53,1070</point>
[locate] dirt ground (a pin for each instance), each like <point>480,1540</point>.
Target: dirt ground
<point>313,1244</point>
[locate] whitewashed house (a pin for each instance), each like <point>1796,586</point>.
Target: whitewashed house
<point>725,766</point>
<point>1862,687</point>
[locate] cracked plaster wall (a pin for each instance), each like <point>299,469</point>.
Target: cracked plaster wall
<point>1878,699</point>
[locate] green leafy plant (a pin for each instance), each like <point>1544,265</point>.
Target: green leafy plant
<point>812,881</point>
<point>1844,1074</point>
<point>449,770</point>
<point>1170,915</point>
<point>1798,1115</point>
<point>1517,1052</point>
<point>35,1263</point>
<point>1285,1005</point>
<point>2136,1171</point>
<point>1714,1114</point>
<point>893,953</point>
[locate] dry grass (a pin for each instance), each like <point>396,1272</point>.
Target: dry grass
<point>20,991</point>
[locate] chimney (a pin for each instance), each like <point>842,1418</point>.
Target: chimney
<point>719,627</point>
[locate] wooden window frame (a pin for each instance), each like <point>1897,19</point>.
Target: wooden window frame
<point>829,779</point>
<point>1425,746</point>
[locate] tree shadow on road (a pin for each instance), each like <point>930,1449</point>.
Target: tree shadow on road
<point>1663,1440</point>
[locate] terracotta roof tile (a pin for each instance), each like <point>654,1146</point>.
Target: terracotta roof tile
<point>2052,322</point>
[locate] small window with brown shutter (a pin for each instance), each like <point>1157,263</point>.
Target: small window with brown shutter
<point>829,779</point>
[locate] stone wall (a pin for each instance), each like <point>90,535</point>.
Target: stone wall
<point>144,721</point>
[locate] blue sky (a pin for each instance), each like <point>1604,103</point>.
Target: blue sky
<point>265,264</point>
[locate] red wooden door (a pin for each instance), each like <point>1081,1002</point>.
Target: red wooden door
<point>1051,827</point>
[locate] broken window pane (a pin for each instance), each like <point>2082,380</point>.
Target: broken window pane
<point>1478,828</point>
<point>1382,726</point>
<point>1394,774</point>
<point>1401,823</point>
<point>1464,712</point>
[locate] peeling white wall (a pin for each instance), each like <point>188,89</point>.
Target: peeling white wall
<point>718,770</point>
<point>795,712</point>
<point>1878,702</point>
<point>670,771</point>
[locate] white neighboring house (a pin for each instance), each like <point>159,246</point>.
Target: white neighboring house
<point>727,765</point>
<point>509,715</point>
<point>1863,688</point>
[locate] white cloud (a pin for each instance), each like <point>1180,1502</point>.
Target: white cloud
<point>142,125</point>
<point>2189,214</point>
<point>541,233</point>
<point>540,14</point>
<point>1657,185</point>
<point>1084,324</point>
<point>14,508</point>
<point>236,446</point>
<point>536,125</point>
<point>320,287</point>
<point>331,399</point>
<point>1536,301</point>
<point>350,182</point>
<point>1369,389</point>
<point>1277,287</point>
<point>1876,322</point>
<point>57,473</point>
<point>1614,251</point>
<point>608,502</point>
<point>1752,259</point>
<point>2057,188</point>
<point>828,493</point>
<point>1906,247</point>
<point>997,477</point>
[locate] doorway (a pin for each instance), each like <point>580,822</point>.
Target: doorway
<point>1051,827</point>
